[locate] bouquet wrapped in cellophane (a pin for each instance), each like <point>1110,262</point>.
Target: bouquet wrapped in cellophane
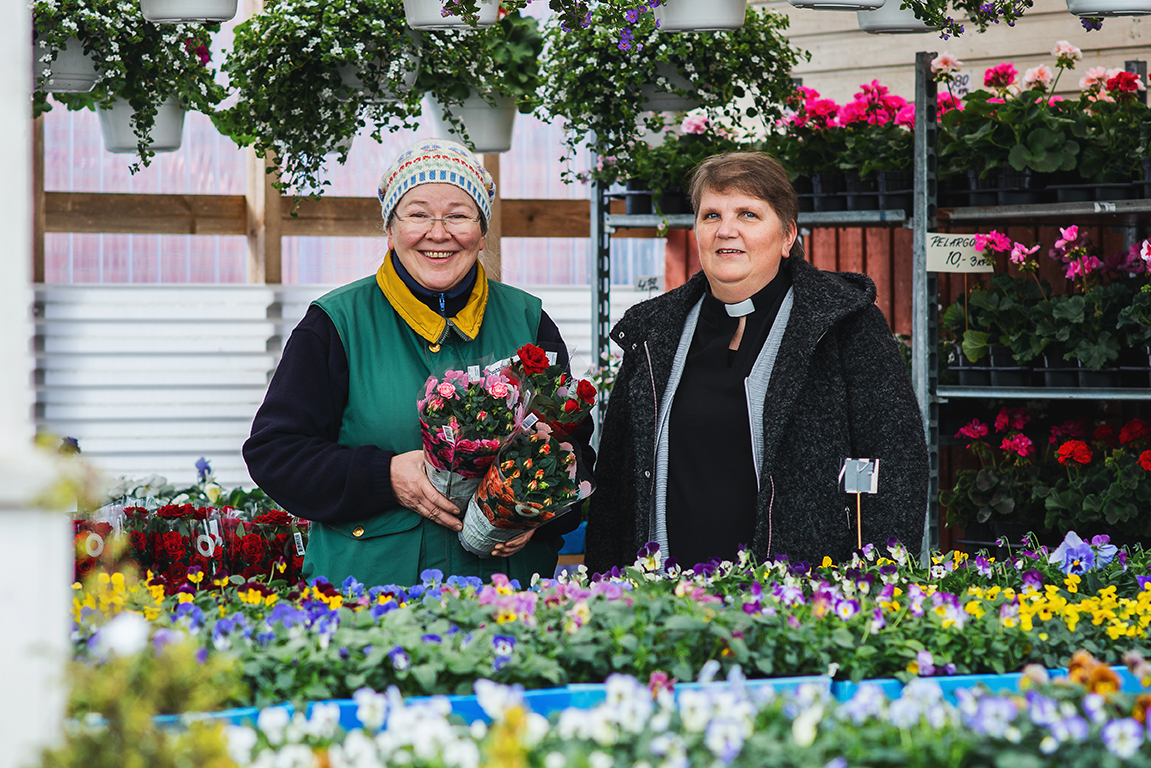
<point>465,417</point>
<point>549,390</point>
<point>535,479</point>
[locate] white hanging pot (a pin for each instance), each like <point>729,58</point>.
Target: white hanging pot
<point>165,136</point>
<point>73,71</point>
<point>837,5</point>
<point>659,100</point>
<point>428,14</point>
<point>350,75</point>
<point>489,128</point>
<point>890,19</point>
<point>698,16</point>
<point>344,144</point>
<point>180,11</point>
<point>1109,7</point>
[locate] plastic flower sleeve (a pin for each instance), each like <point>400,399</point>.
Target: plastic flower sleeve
<point>535,479</point>
<point>550,392</point>
<point>466,416</point>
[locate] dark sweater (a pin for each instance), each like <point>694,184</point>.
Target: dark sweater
<point>293,453</point>
<point>839,389</point>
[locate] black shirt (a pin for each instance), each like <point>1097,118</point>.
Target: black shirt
<point>711,485</point>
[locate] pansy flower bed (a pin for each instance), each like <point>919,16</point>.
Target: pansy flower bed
<point>881,615</point>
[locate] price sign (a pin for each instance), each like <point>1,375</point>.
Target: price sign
<point>960,84</point>
<point>955,253</point>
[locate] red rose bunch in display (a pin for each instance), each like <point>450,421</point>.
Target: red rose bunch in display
<point>465,416</point>
<point>551,392</point>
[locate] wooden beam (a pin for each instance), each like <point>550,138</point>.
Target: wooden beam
<point>326,217</point>
<point>144,214</point>
<point>264,231</point>
<point>38,213</point>
<point>492,256</point>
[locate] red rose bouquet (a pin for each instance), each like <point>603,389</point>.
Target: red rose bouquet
<point>266,545</point>
<point>93,546</point>
<point>550,391</point>
<point>465,417</point>
<point>535,479</point>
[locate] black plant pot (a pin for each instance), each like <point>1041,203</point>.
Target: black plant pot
<point>1057,371</point>
<point>971,374</point>
<point>953,191</point>
<point>674,202</point>
<point>862,193</point>
<point>981,191</point>
<point>1005,371</point>
<point>1146,185</point>
<point>1134,368</point>
<point>1121,191</point>
<point>1102,378</point>
<point>895,191</point>
<point>1019,187</point>
<point>827,188</point>
<point>802,185</point>
<point>638,204</point>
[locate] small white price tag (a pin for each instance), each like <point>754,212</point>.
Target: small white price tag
<point>955,253</point>
<point>960,85</point>
<point>552,357</point>
<point>473,373</point>
<point>299,543</point>
<point>448,433</point>
<point>529,421</point>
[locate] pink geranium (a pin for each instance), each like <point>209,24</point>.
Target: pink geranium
<point>1066,54</point>
<point>1019,444</point>
<point>1000,76</point>
<point>1020,252</point>
<point>1038,77</point>
<point>996,241</point>
<point>975,430</point>
<point>945,102</point>
<point>873,104</point>
<point>906,116</point>
<point>1067,236</point>
<point>944,66</point>
<point>1145,251</point>
<point>1094,77</point>
<point>1082,267</point>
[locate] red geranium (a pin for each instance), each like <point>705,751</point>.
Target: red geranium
<point>533,359</point>
<point>1145,460</point>
<point>1074,450</point>
<point>1123,82</point>
<point>585,391</point>
<point>1105,433</point>
<point>1133,430</point>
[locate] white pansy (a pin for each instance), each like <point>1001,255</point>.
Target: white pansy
<point>125,635</point>
<point>272,722</point>
<point>241,739</point>
<point>371,708</point>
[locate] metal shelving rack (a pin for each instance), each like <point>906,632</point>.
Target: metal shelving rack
<point>1130,214</point>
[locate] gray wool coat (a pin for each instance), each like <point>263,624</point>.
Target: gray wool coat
<point>839,390</point>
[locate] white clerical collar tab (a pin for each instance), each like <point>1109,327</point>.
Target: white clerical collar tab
<point>745,307</point>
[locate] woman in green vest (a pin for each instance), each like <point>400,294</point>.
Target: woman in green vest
<point>337,439</point>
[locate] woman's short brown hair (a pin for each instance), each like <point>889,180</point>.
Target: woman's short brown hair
<point>756,174</point>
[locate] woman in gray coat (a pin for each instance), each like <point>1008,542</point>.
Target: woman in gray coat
<point>742,392</point>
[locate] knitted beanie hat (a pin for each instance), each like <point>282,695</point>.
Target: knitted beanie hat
<point>439,161</point>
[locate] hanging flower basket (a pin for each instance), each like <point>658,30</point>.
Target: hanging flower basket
<point>1092,8</point>
<point>891,19</point>
<point>428,14</point>
<point>181,11</point>
<point>489,129</point>
<point>165,136</point>
<point>73,71</point>
<point>661,100</point>
<point>696,16</point>
<point>407,68</point>
<point>837,5</point>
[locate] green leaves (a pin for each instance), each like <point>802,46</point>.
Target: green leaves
<point>1045,151</point>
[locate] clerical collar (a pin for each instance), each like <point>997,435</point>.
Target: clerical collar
<point>745,307</point>
<point>437,301</point>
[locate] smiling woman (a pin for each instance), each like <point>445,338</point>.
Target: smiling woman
<point>742,392</point>
<point>337,440</point>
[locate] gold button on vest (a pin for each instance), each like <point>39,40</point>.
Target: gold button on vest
<point>358,531</point>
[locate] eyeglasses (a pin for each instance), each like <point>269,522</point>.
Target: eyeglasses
<point>422,223</point>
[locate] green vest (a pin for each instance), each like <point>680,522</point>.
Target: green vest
<point>388,365</point>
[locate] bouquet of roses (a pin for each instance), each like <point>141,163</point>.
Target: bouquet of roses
<point>268,545</point>
<point>550,392</point>
<point>535,479</point>
<point>465,417</point>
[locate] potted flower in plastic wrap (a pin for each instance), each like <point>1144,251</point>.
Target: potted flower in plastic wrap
<point>148,74</point>
<point>536,476</point>
<point>600,81</point>
<point>477,80</point>
<point>310,75</point>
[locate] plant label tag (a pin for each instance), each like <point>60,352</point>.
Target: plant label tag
<point>473,373</point>
<point>859,475</point>
<point>299,538</point>
<point>955,253</point>
<point>529,421</point>
<point>214,528</point>
<point>499,365</point>
<point>448,433</point>
<point>552,357</point>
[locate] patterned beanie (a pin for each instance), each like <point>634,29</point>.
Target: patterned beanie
<point>438,161</point>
